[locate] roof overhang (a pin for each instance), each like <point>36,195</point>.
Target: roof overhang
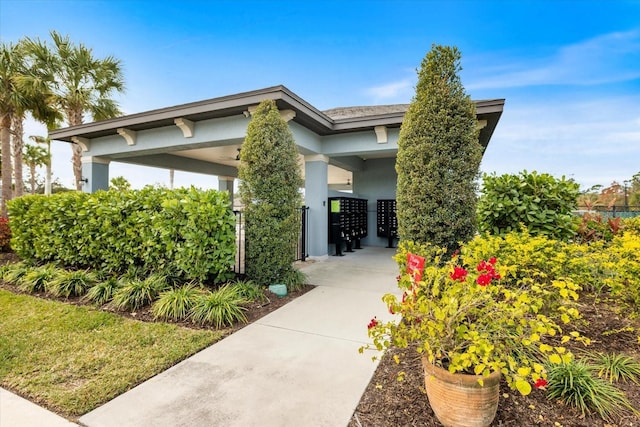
<point>237,104</point>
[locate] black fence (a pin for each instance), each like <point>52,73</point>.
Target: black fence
<point>611,212</point>
<point>300,252</point>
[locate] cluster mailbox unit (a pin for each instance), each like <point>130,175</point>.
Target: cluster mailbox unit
<point>347,222</point>
<point>387,222</point>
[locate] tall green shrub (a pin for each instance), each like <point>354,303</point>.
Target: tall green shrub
<point>269,188</point>
<point>186,232</point>
<point>438,156</point>
<point>540,202</point>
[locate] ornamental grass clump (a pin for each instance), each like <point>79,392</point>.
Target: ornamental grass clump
<point>464,319</point>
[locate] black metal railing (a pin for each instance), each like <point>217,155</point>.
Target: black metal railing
<point>300,252</point>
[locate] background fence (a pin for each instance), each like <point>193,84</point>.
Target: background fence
<point>611,212</point>
<point>300,252</point>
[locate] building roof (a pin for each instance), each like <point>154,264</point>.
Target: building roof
<point>329,122</point>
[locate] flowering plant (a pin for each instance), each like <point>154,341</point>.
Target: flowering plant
<point>462,318</point>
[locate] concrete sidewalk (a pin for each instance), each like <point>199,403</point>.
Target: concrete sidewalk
<point>298,366</point>
<point>18,412</point>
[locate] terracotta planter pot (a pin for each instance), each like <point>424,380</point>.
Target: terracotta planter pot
<point>458,400</point>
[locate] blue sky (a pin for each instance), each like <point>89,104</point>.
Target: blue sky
<point>569,70</point>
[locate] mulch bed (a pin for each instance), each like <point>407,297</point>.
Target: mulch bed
<point>388,402</point>
<point>254,310</point>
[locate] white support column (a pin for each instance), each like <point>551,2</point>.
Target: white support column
<point>316,187</point>
<point>225,183</point>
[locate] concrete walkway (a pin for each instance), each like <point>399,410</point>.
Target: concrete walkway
<point>298,366</point>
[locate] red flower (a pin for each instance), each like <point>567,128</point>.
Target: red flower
<point>493,261</point>
<point>484,279</point>
<point>540,382</point>
<point>459,274</point>
<point>374,322</point>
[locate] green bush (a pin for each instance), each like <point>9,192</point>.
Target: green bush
<point>536,263</point>
<point>270,190</point>
<point>249,290</point>
<point>187,231</point>
<point>103,291</point>
<point>136,293</point>
<point>38,279</point>
<point>616,367</point>
<point>540,202</point>
<point>295,280</point>
<point>632,225</point>
<point>222,307</point>
<point>177,303</point>
<point>573,384</point>
<point>71,283</point>
<point>438,156</point>
<point>14,273</point>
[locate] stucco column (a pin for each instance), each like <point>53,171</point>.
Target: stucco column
<point>225,183</point>
<point>316,192</point>
<point>95,173</point>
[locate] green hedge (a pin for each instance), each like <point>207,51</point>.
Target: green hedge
<point>188,232</point>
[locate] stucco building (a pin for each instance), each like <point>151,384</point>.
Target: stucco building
<point>352,148</point>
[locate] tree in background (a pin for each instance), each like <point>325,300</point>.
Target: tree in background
<point>119,183</point>
<point>540,202</point>
<point>46,141</point>
<point>13,103</point>
<point>79,83</point>
<point>269,189</point>
<point>438,156</point>
<point>33,157</point>
<point>625,195</point>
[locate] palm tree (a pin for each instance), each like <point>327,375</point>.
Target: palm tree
<point>47,180</point>
<point>80,84</point>
<point>12,102</point>
<point>35,156</point>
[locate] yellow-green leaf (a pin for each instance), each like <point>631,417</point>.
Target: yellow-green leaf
<point>523,387</point>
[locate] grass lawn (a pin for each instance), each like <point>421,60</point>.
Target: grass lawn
<point>71,359</point>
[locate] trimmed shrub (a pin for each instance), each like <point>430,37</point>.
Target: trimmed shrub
<point>250,290</point>
<point>176,304</point>
<point>270,190</point>
<point>540,202</point>
<point>14,273</point>
<point>632,226</point>
<point>135,294</point>
<point>222,307</point>
<point>187,231</point>
<point>71,283</point>
<point>438,156</point>
<point>38,279</point>
<point>102,292</point>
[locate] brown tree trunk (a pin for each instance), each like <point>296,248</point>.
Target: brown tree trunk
<point>75,118</point>
<point>18,147</point>
<point>32,178</point>
<point>5,138</point>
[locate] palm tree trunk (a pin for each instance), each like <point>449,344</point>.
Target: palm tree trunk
<point>75,118</point>
<point>18,147</point>
<point>5,136</point>
<point>47,178</point>
<point>32,178</point>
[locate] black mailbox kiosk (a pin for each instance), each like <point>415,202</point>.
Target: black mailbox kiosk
<point>347,222</point>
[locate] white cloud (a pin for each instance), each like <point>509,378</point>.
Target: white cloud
<point>593,142</point>
<point>400,91</point>
<point>608,58</point>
